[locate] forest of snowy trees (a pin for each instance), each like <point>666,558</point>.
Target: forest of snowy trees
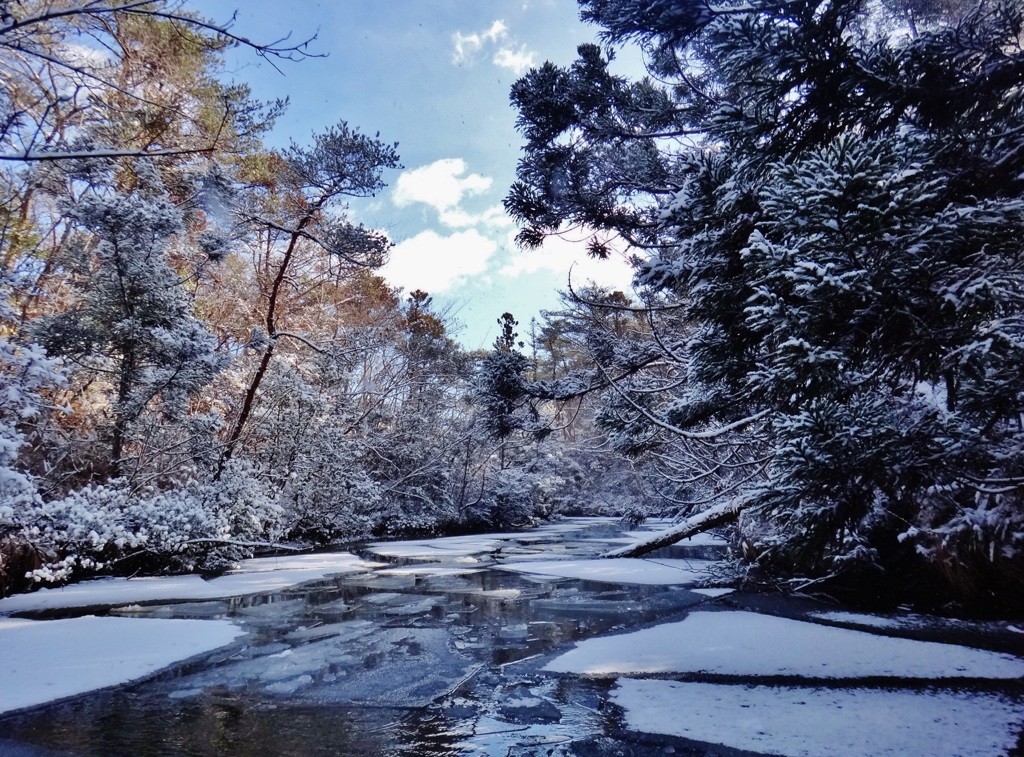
<point>826,354</point>
<point>198,358</point>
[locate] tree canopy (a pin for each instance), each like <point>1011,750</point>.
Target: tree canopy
<point>827,196</point>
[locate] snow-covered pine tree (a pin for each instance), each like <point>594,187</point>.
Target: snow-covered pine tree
<point>131,327</point>
<point>833,196</point>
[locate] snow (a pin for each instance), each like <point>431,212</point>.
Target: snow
<point>45,660</point>
<point>662,572</point>
<point>252,577</point>
<point>749,644</point>
<point>445,547</point>
<point>813,721</point>
<point>441,548</point>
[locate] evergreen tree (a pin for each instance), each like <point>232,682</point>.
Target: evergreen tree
<point>132,327</point>
<point>834,205</point>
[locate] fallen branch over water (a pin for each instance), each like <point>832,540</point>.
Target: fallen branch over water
<point>719,515</point>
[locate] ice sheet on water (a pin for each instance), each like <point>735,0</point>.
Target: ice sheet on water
<point>910,620</point>
<point>387,584</point>
<point>858,619</point>
<point>662,572</point>
<point>749,644</point>
<point>418,606</point>
<point>431,569</point>
<point>811,722</point>
<point>333,608</point>
<point>441,548</point>
<point>252,577</point>
<point>44,660</point>
<point>445,547</point>
<point>351,663</point>
<point>344,631</point>
<point>394,603</point>
<point>275,611</point>
<point>214,609</point>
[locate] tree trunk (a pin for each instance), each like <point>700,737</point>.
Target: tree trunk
<point>727,512</point>
<point>271,324</point>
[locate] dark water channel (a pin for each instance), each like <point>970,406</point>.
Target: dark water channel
<point>385,663</point>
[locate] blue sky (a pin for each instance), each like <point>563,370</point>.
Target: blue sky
<point>434,76</point>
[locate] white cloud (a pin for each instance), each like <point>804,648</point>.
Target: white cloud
<point>442,185</point>
<point>517,61</point>
<point>567,258</point>
<point>457,218</point>
<point>469,47</point>
<point>438,263</point>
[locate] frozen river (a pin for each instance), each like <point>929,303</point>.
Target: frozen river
<point>517,644</point>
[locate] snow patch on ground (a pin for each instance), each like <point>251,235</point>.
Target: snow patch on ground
<point>806,722</point>
<point>749,644</point>
<point>662,572</point>
<point>45,660</point>
<point>254,576</point>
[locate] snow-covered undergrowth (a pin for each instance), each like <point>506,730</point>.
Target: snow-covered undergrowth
<point>200,525</point>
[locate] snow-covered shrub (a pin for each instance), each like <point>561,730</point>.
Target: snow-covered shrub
<point>109,528</point>
<point>25,374</point>
<point>509,499</point>
<point>327,496</point>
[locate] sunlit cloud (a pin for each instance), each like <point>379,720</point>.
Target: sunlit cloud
<point>506,52</point>
<point>468,46</point>
<point>517,61</point>
<point>494,217</point>
<point>437,263</point>
<point>442,185</point>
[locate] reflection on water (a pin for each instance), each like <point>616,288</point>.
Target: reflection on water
<point>418,658</point>
<point>424,658</point>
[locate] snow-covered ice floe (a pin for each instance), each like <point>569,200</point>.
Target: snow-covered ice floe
<point>442,548</point>
<point>253,576</point>
<point>625,570</point>
<point>750,644</point>
<point>446,547</point>
<point>812,722</point>
<point>45,660</point>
